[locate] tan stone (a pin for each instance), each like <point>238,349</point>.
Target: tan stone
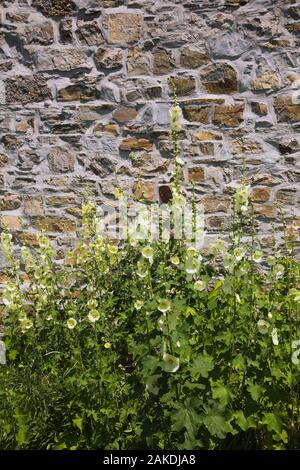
<point>60,201</point>
<point>61,160</point>
<point>192,58</point>
<point>37,33</point>
<point>196,174</point>
<point>25,126</point>
<point>163,62</point>
<point>12,222</point>
<point>55,224</point>
<point>137,62</point>
<point>3,160</point>
<point>33,206</point>
<point>260,194</point>
<point>26,89</point>
<point>110,128</point>
<point>124,28</point>
<point>218,222</point>
<point>78,92</point>
<point>124,114</point>
<point>28,238</point>
<point>286,195</point>
<point>75,211</point>
<point>55,7</point>
<point>109,58</point>
<point>261,109</point>
<point>246,145</point>
<point>268,80</point>
<point>143,189</point>
<point>267,180</point>
<point>220,78</point>
<point>10,202</point>
<point>268,211</point>
<point>293,27</point>
<point>286,110</point>
<point>202,101</point>
<point>64,59</point>
<point>215,204</point>
<point>207,135</point>
<point>229,116</point>
<point>132,143</point>
<point>197,114</point>
<point>207,148</point>
<point>182,85</point>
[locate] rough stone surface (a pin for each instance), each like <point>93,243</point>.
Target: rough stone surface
<point>109,58</point>
<point>219,78</point>
<point>61,160</point>
<point>54,7</point>
<point>124,28</point>
<point>85,99</point>
<point>26,89</point>
<point>62,60</point>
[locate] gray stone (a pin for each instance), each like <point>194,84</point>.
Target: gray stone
<point>63,60</point>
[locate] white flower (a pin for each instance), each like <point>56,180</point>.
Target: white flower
<point>192,264</point>
<point>2,353</point>
<point>171,363</point>
<point>179,161</point>
<point>113,250</point>
<point>175,115</point>
<point>148,252</point>
<point>263,326</point>
<point>200,285</point>
<point>295,293</point>
<point>142,270</point>
<point>257,256</point>
<point>274,337</point>
<point>151,384</point>
<point>175,260</point>
<point>93,316</point>
<point>26,324</point>
<point>138,304</point>
<point>278,270</point>
<point>239,254</point>
<point>270,316</point>
<point>71,323</point>
<point>296,353</point>
<point>229,262</point>
<point>164,305</point>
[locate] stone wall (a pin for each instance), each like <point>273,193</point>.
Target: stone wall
<point>85,83</point>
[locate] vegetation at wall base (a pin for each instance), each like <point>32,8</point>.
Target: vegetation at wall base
<point>154,345</point>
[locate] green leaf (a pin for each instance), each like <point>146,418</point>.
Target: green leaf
<point>241,420</point>
<point>221,393</point>
<point>22,428</point>
<point>78,423</point>
<point>217,425</point>
<point>255,390</point>
<point>187,418</point>
<point>273,422</point>
<point>202,365</point>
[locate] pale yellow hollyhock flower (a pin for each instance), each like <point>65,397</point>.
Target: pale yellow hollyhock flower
<point>93,316</point>
<point>263,326</point>
<point>71,323</point>
<point>138,304</point>
<point>200,285</point>
<point>171,363</point>
<point>164,305</point>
